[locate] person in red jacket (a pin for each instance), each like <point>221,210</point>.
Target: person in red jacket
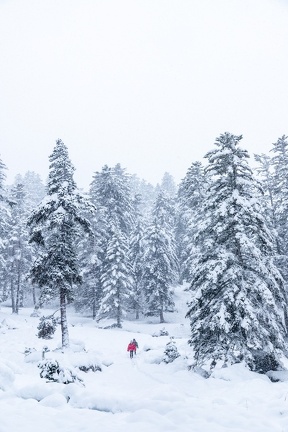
<point>131,348</point>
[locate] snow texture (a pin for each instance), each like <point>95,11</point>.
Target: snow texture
<point>142,394</point>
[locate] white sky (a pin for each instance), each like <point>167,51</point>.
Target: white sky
<point>147,83</point>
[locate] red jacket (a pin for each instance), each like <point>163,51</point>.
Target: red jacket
<point>131,347</point>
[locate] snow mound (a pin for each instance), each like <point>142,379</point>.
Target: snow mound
<point>76,345</point>
<point>54,401</point>
<point>35,391</point>
<point>6,377</point>
<point>276,376</point>
<point>237,372</point>
<point>33,357</point>
<point>9,324</point>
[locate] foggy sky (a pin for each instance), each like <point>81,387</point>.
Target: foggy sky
<point>146,83</point>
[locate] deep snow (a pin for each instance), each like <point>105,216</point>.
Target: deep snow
<point>143,394</point>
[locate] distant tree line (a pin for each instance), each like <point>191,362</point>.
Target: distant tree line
<point>118,250</point>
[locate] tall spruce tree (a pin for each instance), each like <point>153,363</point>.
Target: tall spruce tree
<point>34,188</point>
<point>136,257</point>
<point>191,194</point>
<point>160,270</point>
<point>19,252</point>
<point>267,179</point>
<point>4,230</point>
<point>168,185</point>
<point>56,226</point>
<point>116,277</point>
<point>236,311</point>
<point>279,184</point>
<point>110,192</point>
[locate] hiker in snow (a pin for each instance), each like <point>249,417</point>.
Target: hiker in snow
<point>131,348</point>
<point>136,345</point>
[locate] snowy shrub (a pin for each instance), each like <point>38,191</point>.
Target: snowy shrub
<point>47,327</point>
<point>112,326</point>
<point>264,362</point>
<point>171,352</point>
<point>85,362</point>
<point>52,371</point>
<point>162,332</point>
<point>28,351</point>
<point>90,367</point>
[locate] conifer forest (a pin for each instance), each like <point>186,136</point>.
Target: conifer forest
<point>119,249</point>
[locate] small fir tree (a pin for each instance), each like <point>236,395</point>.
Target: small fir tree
<point>171,352</point>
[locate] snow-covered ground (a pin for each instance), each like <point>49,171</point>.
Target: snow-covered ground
<point>142,394</point>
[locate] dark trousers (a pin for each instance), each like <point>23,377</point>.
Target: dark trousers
<point>131,354</point>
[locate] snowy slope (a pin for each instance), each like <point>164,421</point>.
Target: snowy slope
<point>143,394</point>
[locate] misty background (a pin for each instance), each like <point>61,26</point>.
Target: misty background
<point>149,84</point>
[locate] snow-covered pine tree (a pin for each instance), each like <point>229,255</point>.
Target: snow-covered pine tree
<point>19,252</point>
<point>160,270</point>
<point>267,179</point>
<point>116,277</point>
<point>56,226</point>
<point>191,193</point>
<point>110,192</point>
<point>34,189</point>
<point>88,299</point>
<point>236,311</point>
<point>137,251</point>
<point>279,184</point>
<point>168,185</point>
<point>4,229</point>
<point>33,192</point>
<point>147,192</point>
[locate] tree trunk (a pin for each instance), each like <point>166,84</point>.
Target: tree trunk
<point>161,311</point>
<point>12,289</point>
<point>34,296</point>
<point>64,326</point>
<point>18,289</point>
<point>119,325</point>
<point>94,303</point>
<point>12,295</point>
<point>94,309</point>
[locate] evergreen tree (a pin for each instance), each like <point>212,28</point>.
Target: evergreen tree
<point>267,178</point>
<point>147,192</point>
<point>279,184</point>
<point>191,193</point>
<point>116,278</point>
<point>168,185</point>
<point>236,311</point>
<point>91,254</point>
<point>56,225</point>
<point>160,261</point>
<point>34,189</point>
<point>111,195</point>
<point>137,252</point>
<point>19,252</point>
<point>4,229</point>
